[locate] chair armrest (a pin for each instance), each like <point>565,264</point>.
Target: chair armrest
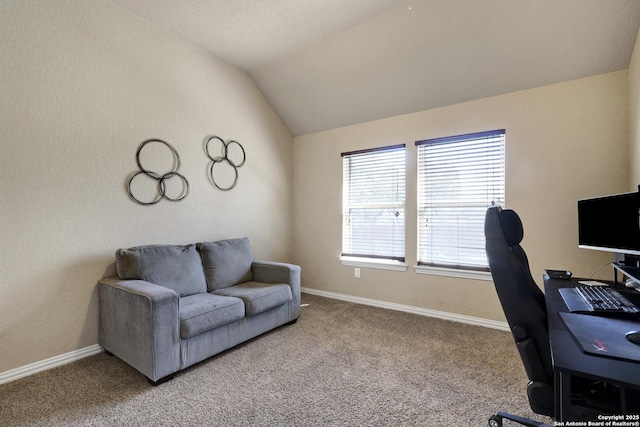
<point>278,272</point>
<point>139,323</point>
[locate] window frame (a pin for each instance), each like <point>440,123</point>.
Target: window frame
<point>372,260</point>
<point>456,269</point>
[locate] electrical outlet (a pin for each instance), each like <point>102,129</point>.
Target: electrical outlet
<point>357,273</point>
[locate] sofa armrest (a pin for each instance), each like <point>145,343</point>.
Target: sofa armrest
<point>277,272</point>
<point>139,323</point>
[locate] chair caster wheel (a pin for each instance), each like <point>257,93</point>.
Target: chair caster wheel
<point>495,421</point>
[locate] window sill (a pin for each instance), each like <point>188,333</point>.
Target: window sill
<point>453,272</point>
<point>374,263</point>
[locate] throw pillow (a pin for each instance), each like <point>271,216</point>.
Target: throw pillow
<point>226,262</point>
<point>174,267</point>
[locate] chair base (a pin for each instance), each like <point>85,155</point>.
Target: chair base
<point>496,420</point>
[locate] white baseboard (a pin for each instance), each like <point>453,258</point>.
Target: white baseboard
<point>493,324</point>
<point>50,363</point>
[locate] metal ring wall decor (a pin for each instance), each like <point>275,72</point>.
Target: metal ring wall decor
<point>224,158</point>
<point>162,190</point>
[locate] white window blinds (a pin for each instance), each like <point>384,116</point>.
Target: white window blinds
<point>458,179</point>
<point>373,205</point>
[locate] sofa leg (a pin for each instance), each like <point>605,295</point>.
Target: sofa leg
<point>292,322</point>
<point>161,380</point>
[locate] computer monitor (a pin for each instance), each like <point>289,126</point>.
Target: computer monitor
<point>610,223</point>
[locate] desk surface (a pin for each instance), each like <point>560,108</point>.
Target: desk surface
<point>566,354</point>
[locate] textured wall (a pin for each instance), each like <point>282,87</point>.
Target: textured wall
<point>634,114</point>
<point>82,84</point>
<point>563,142</point>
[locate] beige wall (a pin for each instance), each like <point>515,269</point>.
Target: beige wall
<point>634,114</point>
<point>82,84</point>
<point>563,142</point>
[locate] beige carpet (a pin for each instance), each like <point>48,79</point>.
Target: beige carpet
<point>342,364</point>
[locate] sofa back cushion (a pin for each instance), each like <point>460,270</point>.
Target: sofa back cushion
<point>174,267</point>
<point>226,262</point>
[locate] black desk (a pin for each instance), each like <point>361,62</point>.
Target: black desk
<point>569,360</point>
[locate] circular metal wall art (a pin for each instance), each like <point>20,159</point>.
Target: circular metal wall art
<point>230,157</point>
<point>161,179</point>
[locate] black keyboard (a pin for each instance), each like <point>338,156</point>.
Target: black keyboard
<point>598,300</point>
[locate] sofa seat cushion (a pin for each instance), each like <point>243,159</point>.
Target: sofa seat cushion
<point>202,312</point>
<point>257,296</point>
<point>226,262</point>
<point>174,267</point>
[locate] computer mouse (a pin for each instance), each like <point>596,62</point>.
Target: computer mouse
<point>632,284</point>
<point>633,336</point>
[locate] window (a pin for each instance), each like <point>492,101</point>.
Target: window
<point>373,202</point>
<point>459,177</point>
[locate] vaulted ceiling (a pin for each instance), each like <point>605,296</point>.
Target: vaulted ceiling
<point>324,64</point>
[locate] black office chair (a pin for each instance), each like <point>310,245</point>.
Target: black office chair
<point>524,307</point>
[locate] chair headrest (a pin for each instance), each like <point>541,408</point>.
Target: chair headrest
<point>511,227</point>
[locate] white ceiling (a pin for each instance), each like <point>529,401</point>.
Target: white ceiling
<point>323,64</point>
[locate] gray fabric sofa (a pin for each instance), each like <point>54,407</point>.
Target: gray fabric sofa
<point>173,306</point>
